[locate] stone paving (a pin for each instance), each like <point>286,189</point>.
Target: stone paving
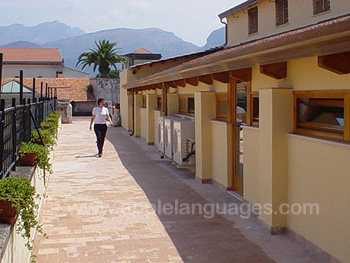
<point>100,210</point>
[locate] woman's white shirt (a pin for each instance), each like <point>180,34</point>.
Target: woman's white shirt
<point>100,115</point>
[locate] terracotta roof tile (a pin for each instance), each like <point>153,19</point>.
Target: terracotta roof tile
<point>31,55</point>
<point>67,88</point>
<point>141,50</point>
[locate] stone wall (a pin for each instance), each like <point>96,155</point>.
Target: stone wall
<point>107,89</point>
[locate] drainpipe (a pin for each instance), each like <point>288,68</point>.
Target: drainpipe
<point>222,22</point>
<point>133,112</point>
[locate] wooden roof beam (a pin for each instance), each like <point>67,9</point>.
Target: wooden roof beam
<point>338,63</point>
<point>244,74</point>
<point>158,86</point>
<point>192,81</point>
<point>223,77</point>
<point>180,82</point>
<point>207,79</point>
<point>171,84</point>
<point>275,70</point>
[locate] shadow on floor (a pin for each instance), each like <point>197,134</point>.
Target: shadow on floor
<point>197,237</point>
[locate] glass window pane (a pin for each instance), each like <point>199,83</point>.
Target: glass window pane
<point>190,104</point>
<point>322,111</point>
<point>223,107</point>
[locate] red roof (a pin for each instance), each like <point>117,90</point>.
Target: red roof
<point>14,55</point>
<point>67,88</point>
<point>141,50</point>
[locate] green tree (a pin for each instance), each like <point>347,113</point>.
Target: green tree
<point>103,56</point>
<point>113,74</point>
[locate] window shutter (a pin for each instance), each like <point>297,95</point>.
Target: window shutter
<point>281,12</point>
<point>321,6</point>
<point>253,20</point>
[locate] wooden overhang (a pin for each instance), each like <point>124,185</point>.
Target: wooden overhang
<point>325,38</point>
<point>275,70</point>
<point>338,63</point>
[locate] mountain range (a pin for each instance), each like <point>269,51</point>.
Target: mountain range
<point>72,41</point>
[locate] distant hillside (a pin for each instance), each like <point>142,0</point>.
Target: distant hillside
<point>128,40</point>
<point>39,34</point>
<point>22,44</point>
<point>73,41</point>
<point>215,39</point>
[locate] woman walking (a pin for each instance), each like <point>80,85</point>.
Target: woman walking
<point>99,116</point>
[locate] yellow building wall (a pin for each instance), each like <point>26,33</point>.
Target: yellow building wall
<point>319,173</point>
<point>221,153</point>
<point>318,170</point>
<point>251,144</point>
<point>302,74</point>
<point>173,103</point>
<point>300,15</point>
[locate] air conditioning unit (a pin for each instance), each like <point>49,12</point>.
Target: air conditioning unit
<point>183,141</point>
<point>168,136</point>
<point>160,139</point>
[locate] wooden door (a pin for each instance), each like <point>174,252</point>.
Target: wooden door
<point>238,105</point>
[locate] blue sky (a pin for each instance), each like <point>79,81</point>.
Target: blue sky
<point>192,20</point>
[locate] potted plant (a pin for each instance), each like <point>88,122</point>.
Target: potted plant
<point>41,152</point>
<point>22,196</point>
<point>45,135</point>
<point>50,126</point>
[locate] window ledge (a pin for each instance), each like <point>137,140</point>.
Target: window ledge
<point>248,127</point>
<point>282,25</point>
<point>253,34</point>
<point>220,122</point>
<point>324,141</point>
<point>321,13</point>
<point>183,116</point>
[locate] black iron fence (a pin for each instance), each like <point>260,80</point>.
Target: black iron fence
<point>16,124</point>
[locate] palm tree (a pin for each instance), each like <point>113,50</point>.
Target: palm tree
<point>103,56</point>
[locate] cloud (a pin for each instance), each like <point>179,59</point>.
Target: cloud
<point>143,5</point>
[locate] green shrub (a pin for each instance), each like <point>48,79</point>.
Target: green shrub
<point>22,195</point>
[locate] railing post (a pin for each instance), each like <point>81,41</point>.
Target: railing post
<point>41,90</point>
<point>33,90</point>
<point>0,71</point>
<point>14,133</point>
<point>21,87</point>
<point>2,120</point>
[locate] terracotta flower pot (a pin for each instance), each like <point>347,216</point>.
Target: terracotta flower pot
<point>38,142</point>
<point>8,213</point>
<point>27,159</point>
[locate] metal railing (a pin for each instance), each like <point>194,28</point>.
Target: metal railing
<point>16,125</point>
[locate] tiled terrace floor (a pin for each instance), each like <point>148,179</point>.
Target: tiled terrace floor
<point>99,210</point>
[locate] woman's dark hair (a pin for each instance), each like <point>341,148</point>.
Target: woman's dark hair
<point>100,100</point>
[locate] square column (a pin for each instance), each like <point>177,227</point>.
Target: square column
<point>276,121</point>
<point>205,111</point>
<point>151,105</point>
<point>137,115</point>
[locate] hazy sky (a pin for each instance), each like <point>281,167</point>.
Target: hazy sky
<point>192,20</point>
